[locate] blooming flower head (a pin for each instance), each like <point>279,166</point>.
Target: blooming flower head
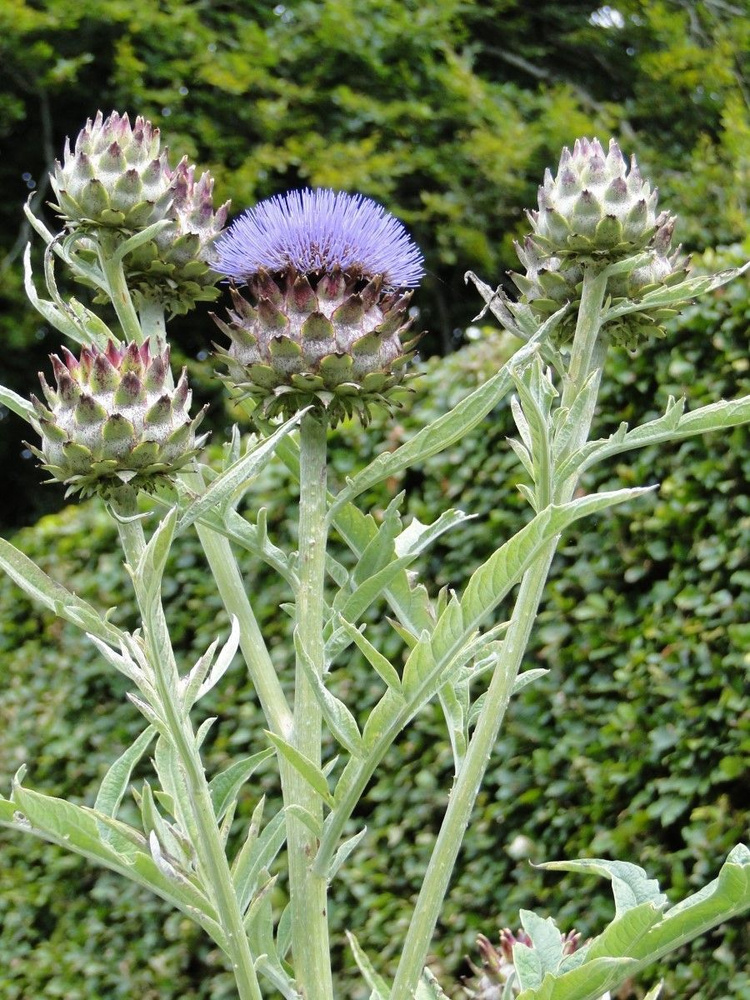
<point>316,232</point>
<point>326,273</point>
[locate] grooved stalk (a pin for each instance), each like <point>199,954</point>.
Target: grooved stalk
<point>586,357</point>
<point>308,890</point>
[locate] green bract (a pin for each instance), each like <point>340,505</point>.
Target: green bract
<point>550,282</point>
<point>594,206</point>
<point>114,420</point>
<point>332,342</point>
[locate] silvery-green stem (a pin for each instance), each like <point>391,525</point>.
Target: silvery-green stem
<point>308,890</point>
<point>208,842</point>
<point>119,293</point>
<point>586,359</point>
<point>223,566</point>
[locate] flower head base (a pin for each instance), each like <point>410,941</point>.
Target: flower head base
<point>594,207</point>
<point>327,317</point>
<point>114,421</point>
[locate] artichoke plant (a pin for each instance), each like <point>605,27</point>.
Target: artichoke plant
<point>326,274</point>
<point>114,420</point>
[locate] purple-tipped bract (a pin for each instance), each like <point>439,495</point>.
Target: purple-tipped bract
<point>318,232</point>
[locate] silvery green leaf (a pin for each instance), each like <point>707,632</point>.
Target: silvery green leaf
<point>343,852</point>
<point>54,596</point>
<point>125,851</point>
<point>455,703</point>
<point>127,665</point>
<point>17,404</point>
<point>437,436</point>
<point>223,660</point>
<point>257,854</point>
<point>713,417</point>
<point>382,666</point>
<point>303,765</point>
<point>229,487</point>
<point>116,780</point>
<point>416,537</point>
<point>225,786</point>
<point>673,294</point>
<point>259,927</point>
<point>284,932</point>
<point>630,883</point>
<point>353,606</point>
<point>428,988</point>
<point>138,239</point>
<point>377,984</point>
<point>148,574</point>
<point>304,816</point>
<point>203,730</point>
<point>380,550</point>
<point>339,719</point>
<point>546,952</point>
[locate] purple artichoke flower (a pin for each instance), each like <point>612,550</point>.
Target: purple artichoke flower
<point>326,273</point>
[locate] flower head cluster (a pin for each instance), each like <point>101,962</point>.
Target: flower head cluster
<point>114,420</point>
<point>117,179</point>
<point>595,211</point>
<point>325,272</point>
<point>316,232</point>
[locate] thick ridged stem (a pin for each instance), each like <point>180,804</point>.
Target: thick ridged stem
<point>208,843</point>
<point>308,890</point>
<point>586,358</point>
<point>153,324</point>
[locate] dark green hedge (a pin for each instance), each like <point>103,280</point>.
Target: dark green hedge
<point>636,744</point>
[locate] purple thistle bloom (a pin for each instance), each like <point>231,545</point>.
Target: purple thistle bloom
<point>320,232</point>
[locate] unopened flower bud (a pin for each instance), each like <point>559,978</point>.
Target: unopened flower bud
<point>114,420</point>
<point>595,207</point>
<point>114,176</point>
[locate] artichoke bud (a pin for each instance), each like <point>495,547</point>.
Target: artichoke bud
<point>326,320</point>
<point>113,421</point>
<point>114,176</point>
<point>175,267</point>
<point>593,207</point>
<point>497,974</point>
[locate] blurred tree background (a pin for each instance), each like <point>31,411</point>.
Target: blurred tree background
<point>447,112</point>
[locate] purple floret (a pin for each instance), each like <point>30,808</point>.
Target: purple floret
<point>317,232</point>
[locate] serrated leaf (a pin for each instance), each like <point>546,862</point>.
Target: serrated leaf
<point>437,436</point>
<point>230,485</point>
<point>343,852</point>
<point>225,786</point>
<point>17,404</point>
<point>303,765</point>
<point>126,851</point>
<point>416,537</point>
<point>257,854</point>
<point>631,885</point>
<point>428,988</point>
<point>382,666</point>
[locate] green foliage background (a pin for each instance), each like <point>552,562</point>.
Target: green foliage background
<point>638,742</point>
